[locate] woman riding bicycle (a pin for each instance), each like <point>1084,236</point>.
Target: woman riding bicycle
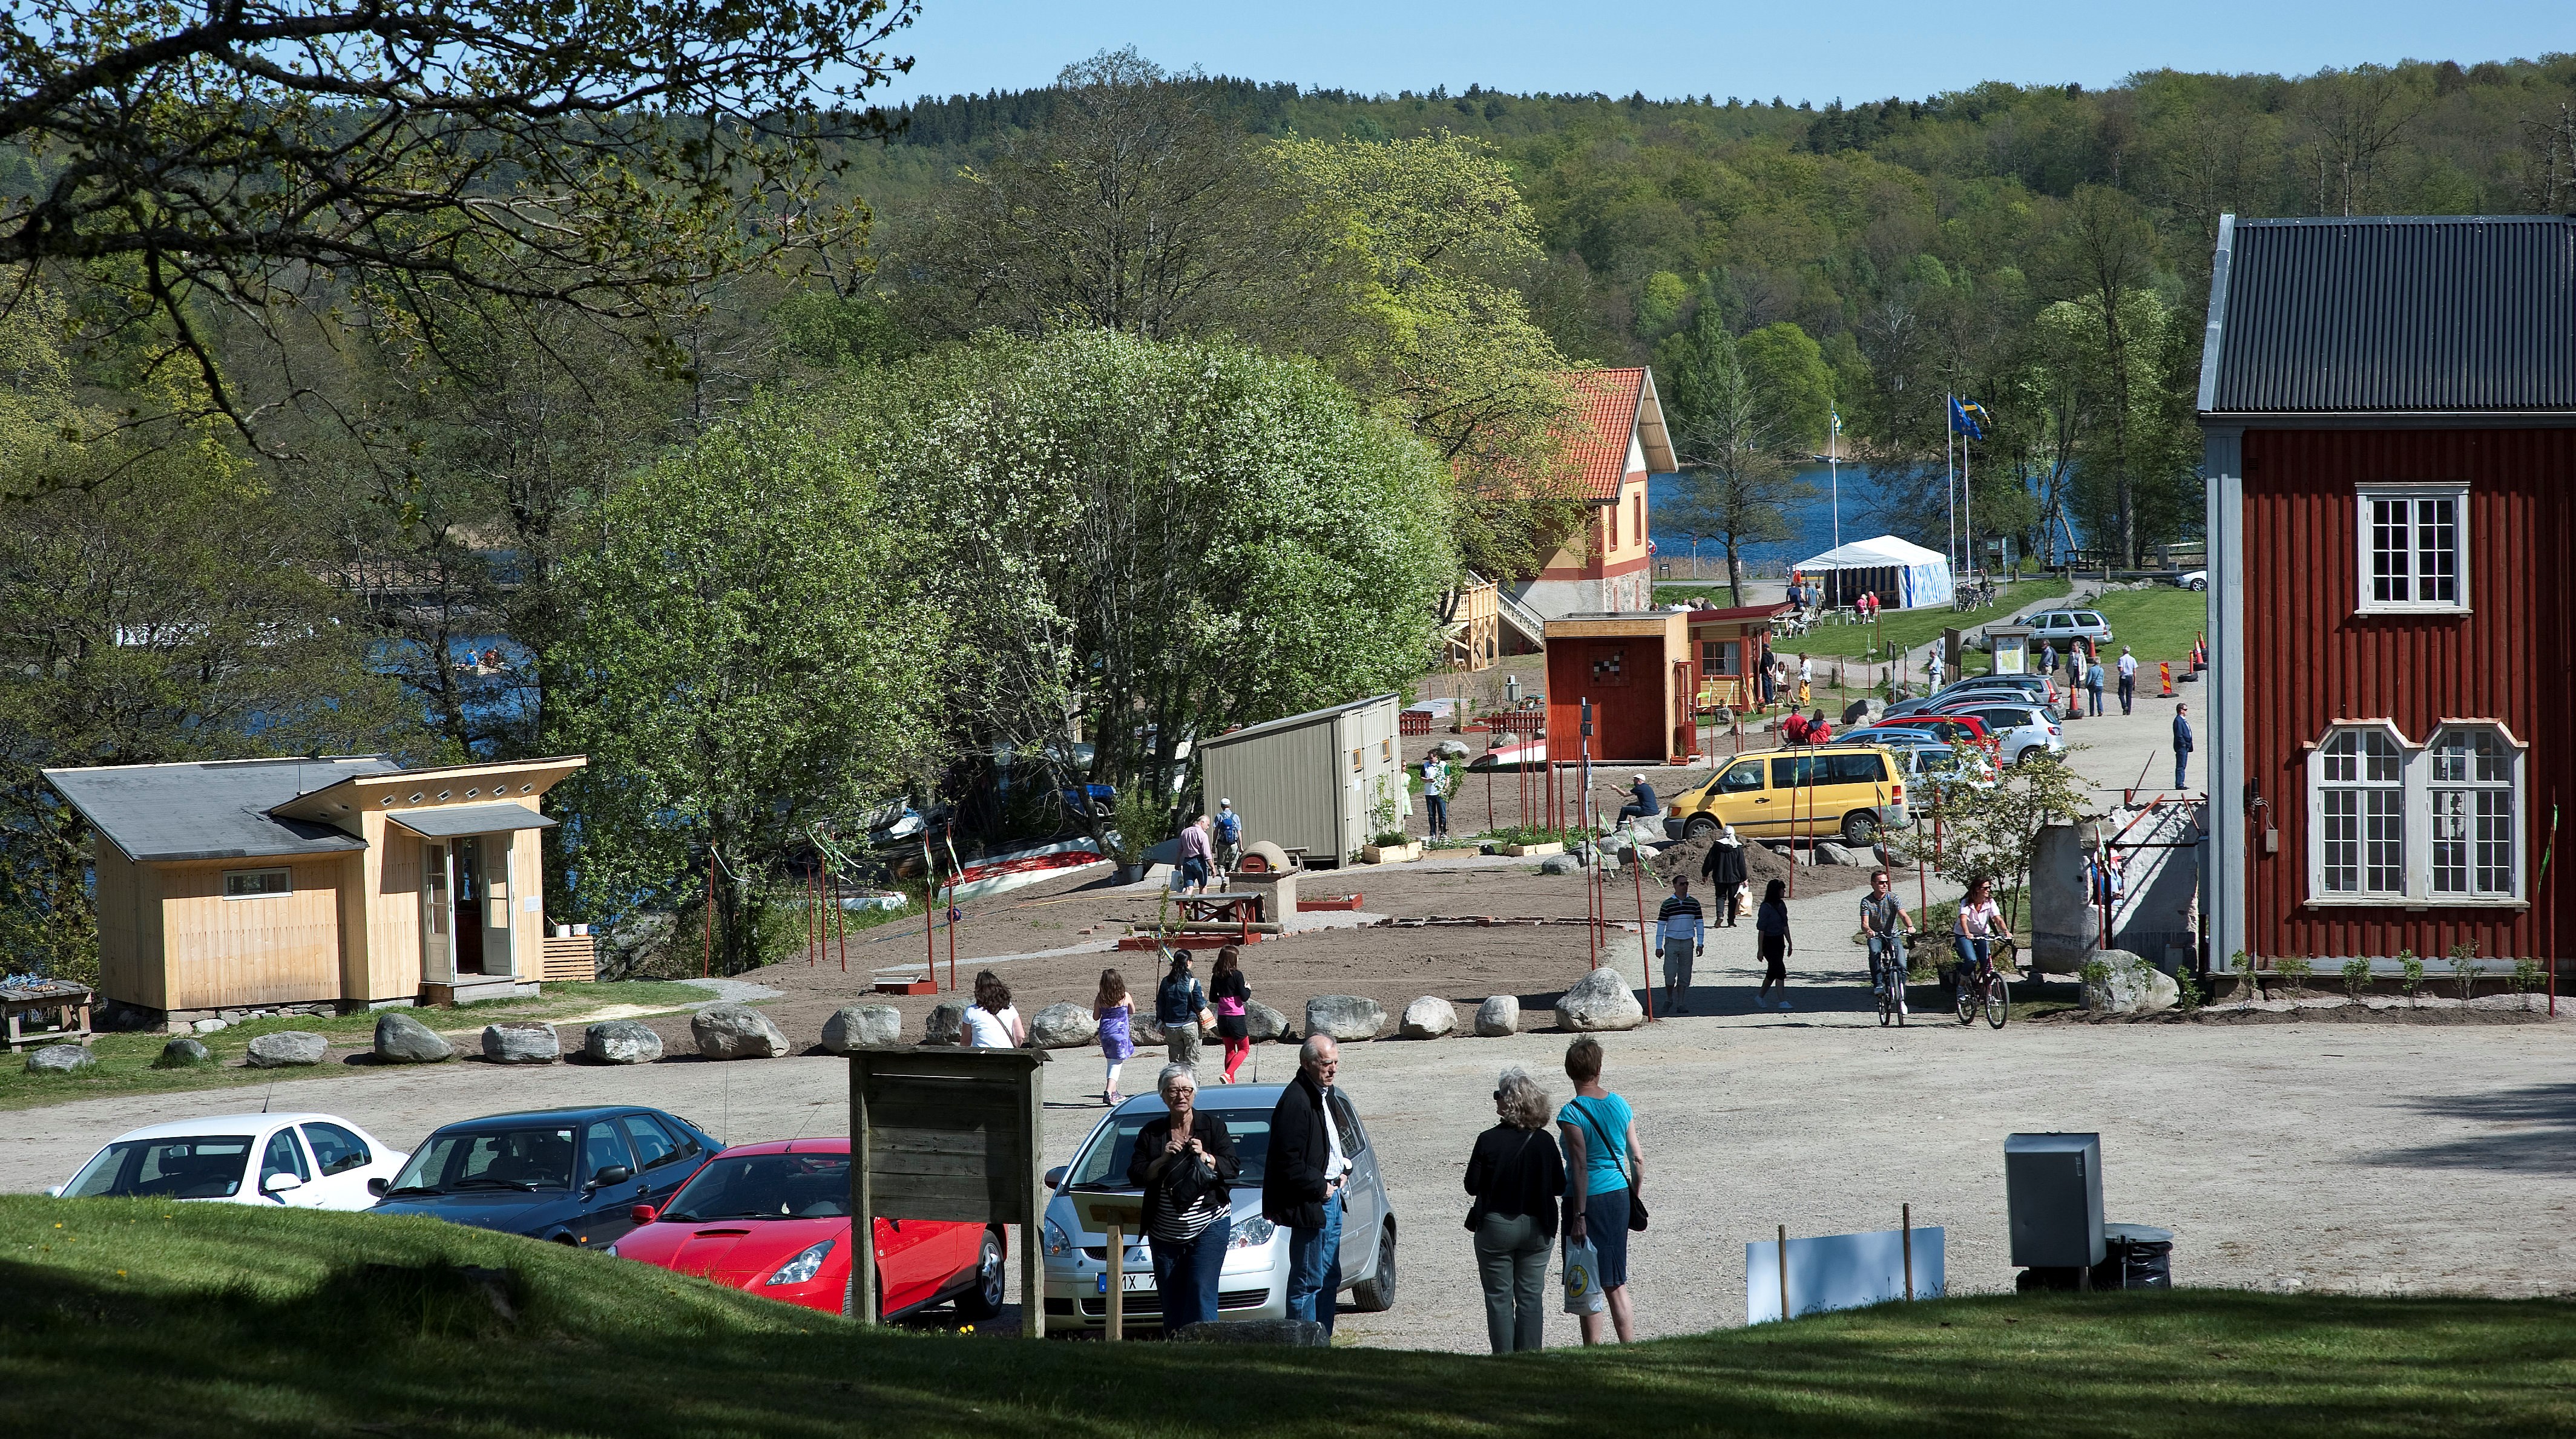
<point>1981,923</point>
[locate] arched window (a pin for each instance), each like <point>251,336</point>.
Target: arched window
<point>2361,812</point>
<point>2473,784</point>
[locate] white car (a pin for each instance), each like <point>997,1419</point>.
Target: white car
<point>2016,729</point>
<point>2196,580</point>
<point>293,1161</point>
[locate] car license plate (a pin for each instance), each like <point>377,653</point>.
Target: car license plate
<point>1129,1282</point>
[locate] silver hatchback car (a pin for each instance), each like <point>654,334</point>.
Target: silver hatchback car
<point>1254,1281</point>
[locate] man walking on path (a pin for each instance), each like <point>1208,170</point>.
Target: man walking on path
<point>1229,836</point>
<point>2128,678</point>
<point>1725,870</point>
<point>2093,685</point>
<point>1301,1190</point>
<point>1683,933</point>
<point>2182,743</point>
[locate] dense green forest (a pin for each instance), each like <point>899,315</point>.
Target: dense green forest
<point>910,447</point>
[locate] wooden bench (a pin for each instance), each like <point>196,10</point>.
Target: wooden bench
<point>68,1002</point>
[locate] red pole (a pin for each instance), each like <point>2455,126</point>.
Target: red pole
<point>706,961</point>
<point>1645,947</point>
<point>953,867</point>
<point>813,911</point>
<point>930,901</point>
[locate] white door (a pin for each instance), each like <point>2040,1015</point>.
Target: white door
<point>494,911</point>
<point>437,917</point>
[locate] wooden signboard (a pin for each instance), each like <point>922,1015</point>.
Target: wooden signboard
<point>941,1133</point>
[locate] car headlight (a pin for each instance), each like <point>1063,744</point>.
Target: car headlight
<point>804,1266</point>
<point>1252,1233</point>
<point>1058,1243</point>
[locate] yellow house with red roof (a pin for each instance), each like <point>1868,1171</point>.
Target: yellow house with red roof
<point>1617,440</point>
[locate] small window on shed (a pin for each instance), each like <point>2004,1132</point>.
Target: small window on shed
<point>1386,751</point>
<point>256,883</point>
<point>2414,549</point>
<point>1359,761</point>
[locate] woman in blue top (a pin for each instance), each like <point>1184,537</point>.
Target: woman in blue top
<point>1603,1173</point>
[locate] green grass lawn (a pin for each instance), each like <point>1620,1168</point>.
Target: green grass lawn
<point>125,1060</point>
<point>2160,624</point>
<point>1908,629</point>
<point>125,1318</point>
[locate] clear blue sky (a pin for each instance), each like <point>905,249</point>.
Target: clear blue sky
<point>1861,49</point>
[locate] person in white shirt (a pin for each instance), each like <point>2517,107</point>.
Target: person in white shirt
<point>992,1022</point>
<point>2128,678</point>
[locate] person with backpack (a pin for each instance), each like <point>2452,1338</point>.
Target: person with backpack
<point>1229,837</point>
<point>1605,1185</point>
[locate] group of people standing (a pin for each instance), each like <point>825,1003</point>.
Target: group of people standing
<point>1587,1181</point>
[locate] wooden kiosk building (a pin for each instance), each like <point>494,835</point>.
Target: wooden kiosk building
<point>318,885</point>
<point>1637,671</point>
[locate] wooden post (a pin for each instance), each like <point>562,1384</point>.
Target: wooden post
<point>1033,1222</point>
<point>1636,870</point>
<point>1117,1284</point>
<point>1909,1253</point>
<point>1784,1273</point>
<point>863,1202</point>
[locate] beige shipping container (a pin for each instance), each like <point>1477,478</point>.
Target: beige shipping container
<point>1310,781</point>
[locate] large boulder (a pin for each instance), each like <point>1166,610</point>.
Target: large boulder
<point>1064,1025</point>
<point>1452,750</point>
<point>286,1048</point>
<point>1345,1017</point>
<point>736,1031</point>
<point>1599,1000</point>
<point>1294,1333</point>
<point>1429,1017</point>
<point>402,1039</point>
<point>946,1022</point>
<point>1498,1016</point>
<point>183,1052</point>
<point>1265,1024</point>
<point>1559,864</point>
<point>527,1042</point>
<point>1828,852</point>
<point>621,1041</point>
<point>1144,1028</point>
<point>862,1026</point>
<point>2132,987</point>
<point>60,1059</point>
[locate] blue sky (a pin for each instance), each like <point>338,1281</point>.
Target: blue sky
<point>1859,49</point>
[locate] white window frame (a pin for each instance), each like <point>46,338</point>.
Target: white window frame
<point>280,871</point>
<point>2364,528</point>
<point>2517,756</point>
<point>2416,785</point>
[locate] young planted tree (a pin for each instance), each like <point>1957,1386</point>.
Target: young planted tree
<point>1994,831</point>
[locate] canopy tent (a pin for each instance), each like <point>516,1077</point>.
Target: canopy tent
<point>1903,575</point>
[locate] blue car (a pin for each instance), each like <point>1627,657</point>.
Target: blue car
<point>571,1176</point>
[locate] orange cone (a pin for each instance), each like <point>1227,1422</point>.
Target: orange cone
<point>2164,673</point>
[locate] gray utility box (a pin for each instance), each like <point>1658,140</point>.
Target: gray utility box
<point>2053,1188</point>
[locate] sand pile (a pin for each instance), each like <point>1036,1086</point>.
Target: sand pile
<point>1762,866</point>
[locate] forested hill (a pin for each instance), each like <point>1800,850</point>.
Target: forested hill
<point>2045,248</point>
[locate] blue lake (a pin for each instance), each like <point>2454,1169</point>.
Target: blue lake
<point>1812,521</point>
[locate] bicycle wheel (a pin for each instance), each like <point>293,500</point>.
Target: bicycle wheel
<point>1886,1007</point>
<point>1968,995</point>
<point>1998,1002</point>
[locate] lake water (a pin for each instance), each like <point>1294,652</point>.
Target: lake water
<point>1811,520</point>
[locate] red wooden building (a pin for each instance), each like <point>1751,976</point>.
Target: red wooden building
<point>1637,672</point>
<point>2389,416</point>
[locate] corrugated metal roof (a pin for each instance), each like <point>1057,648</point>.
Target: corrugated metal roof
<point>219,810</point>
<point>1287,722</point>
<point>2444,314</point>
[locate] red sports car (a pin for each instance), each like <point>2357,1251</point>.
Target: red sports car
<point>774,1220</point>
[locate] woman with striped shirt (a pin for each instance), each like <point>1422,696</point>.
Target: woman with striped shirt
<point>1184,1162</point>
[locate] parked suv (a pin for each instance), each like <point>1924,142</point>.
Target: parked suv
<point>2063,625</point>
<point>1849,790</point>
<point>2017,728</point>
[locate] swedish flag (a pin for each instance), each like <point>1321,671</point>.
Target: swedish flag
<point>1969,418</point>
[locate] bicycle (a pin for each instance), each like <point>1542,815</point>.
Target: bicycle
<point>1887,979</point>
<point>1981,986</point>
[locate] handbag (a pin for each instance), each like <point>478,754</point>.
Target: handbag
<point>1636,1201</point>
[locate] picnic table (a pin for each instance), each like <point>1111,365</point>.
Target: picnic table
<point>69,1003</point>
<point>1236,907</point>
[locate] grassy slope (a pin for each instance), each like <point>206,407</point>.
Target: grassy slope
<point>1906,629</point>
<point>2159,624</point>
<point>264,1321</point>
<point>125,1060</point>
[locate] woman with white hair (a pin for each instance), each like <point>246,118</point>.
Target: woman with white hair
<point>1518,1177</point>
<point>1185,1163</point>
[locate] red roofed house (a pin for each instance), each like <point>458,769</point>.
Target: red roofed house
<point>1605,567</point>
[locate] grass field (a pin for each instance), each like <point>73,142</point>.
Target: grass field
<point>264,1321</point>
<point>125,1060</point>
<point>2160,624</point>
<point>1908,629</point>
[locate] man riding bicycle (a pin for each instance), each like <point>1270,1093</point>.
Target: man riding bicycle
<point>1885,924</point>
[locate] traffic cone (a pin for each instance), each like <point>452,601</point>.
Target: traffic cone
<point>2164,673</point>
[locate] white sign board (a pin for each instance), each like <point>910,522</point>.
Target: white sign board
<point>1839,1271</point>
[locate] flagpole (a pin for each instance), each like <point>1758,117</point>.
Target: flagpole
<point>1949,458</point>
<point>1833,468</point>
<point>1968,507</point>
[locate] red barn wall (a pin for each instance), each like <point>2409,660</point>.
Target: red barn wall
<point>2311,660</point>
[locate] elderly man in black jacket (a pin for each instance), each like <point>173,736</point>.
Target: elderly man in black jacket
<point>1725,870</point>
<point>1301,1189</point>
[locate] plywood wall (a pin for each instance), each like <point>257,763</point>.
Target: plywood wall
<point>126,969</point>
<point>392,911</point>
<point>281,949</point>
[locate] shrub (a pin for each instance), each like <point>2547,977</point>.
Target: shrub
<point>2463,961</point>
<point>2294,970</point>
<point>2187,985</point>
<point>2526,978</point>
<point>2410,973</point>
<point>2356,977</point>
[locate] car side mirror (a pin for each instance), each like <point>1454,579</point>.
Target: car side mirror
<point>279,1184</point>
<point>1055,1177</point>
<point>54,1192</point>
<point>379,1186</point>
<point>613,1174</point>
<point>643,1214</point>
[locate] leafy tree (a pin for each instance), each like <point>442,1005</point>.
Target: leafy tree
<point>1993,832</point>
<point>1733,439</point>
<point>745,657</point>
<point>1788,370</point>
<point>196,160</point>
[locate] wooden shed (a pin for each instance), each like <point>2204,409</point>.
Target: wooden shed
<point>316,885</point>
<point>1309,781</point>
<point>1637,671</point>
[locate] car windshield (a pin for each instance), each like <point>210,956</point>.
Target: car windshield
<point>766,1186</point>
<point>1103,1162</point>
<point>522,1159</point>
<point>202,1166</point>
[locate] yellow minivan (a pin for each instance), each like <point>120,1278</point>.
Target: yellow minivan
<point>1846,791</point>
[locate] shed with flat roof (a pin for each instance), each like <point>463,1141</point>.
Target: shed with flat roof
<point>1310,781</point>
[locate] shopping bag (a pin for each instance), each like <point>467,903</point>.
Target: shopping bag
<point>1583,1279</point>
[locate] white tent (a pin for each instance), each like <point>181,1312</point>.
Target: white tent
<point>1904,575</point>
